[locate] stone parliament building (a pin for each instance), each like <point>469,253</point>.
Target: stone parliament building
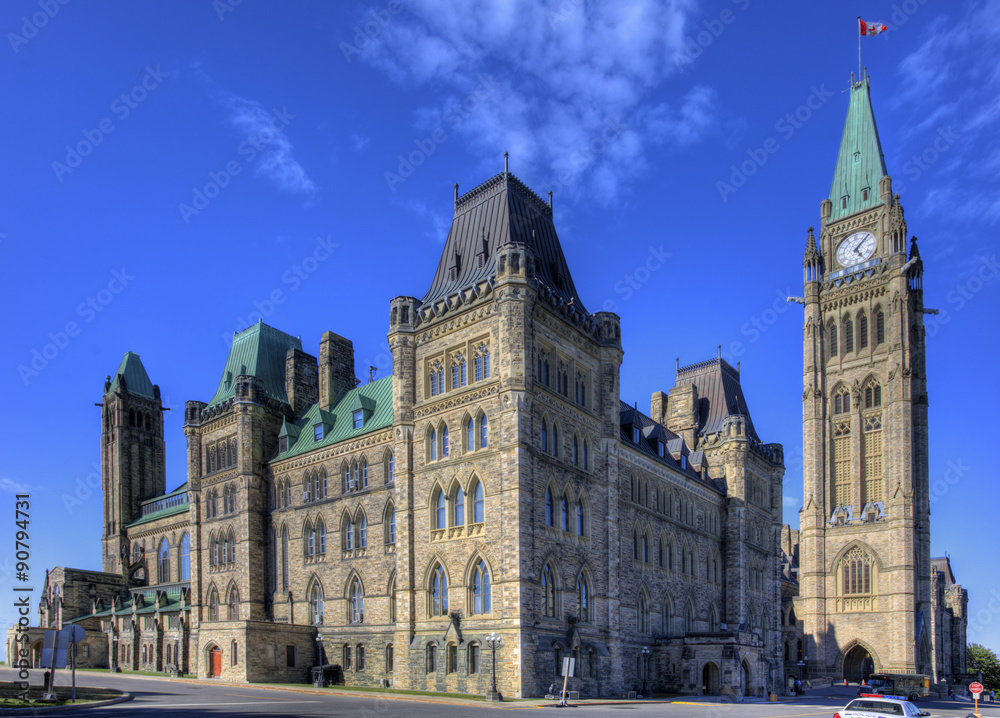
<point>496,482</point>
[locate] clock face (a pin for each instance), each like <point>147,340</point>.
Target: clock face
<point>856,248</point>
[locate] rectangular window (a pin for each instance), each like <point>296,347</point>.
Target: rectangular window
<point>452,659</point>
<point>872,450</point>
<point>842,470</point>
<point>318,432</point>
<point>290,656</point>
<point>358,420</point>
<point>474,659</point>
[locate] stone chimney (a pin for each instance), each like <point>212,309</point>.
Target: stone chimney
<point>682,412</point>
<point>336,368</point>
<point>301,380</point>
<point>658,407</point>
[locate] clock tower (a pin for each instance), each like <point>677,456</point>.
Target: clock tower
<point>865,577</point>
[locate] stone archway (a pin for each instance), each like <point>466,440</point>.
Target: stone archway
<point>214,661</point>
<point>745,685</point>
<point>858,664</point>
<point>710,679</point>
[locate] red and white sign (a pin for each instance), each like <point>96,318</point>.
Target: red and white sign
<point>976,688</point>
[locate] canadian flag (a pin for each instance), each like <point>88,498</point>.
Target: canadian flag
<point>871,28</point>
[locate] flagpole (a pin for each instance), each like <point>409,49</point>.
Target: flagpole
<point>859,48</point>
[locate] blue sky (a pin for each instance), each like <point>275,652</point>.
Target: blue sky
<point>173,171</point>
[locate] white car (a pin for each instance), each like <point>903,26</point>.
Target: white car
<point>879,707</point>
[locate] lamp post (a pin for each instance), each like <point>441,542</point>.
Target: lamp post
<point>493,643</point>
<point>319,670</point>
<point>645,666</point>
<point>114,650</point>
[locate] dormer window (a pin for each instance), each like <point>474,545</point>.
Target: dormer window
<point>843,202</point>
<point>864,195</point>
<point>318,432</point>
<point>635,434</point>
<point>282,444</point>
<point>684,461</point>
<point>661,449</point>
<point>358,419</point>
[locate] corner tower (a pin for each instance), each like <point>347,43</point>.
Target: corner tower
<point>865,525</point>
<point>133,467</point>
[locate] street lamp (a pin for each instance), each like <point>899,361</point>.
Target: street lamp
<point>493,643</point>
<point>645,666</point>
<point>319,644</point>
<point>319,670</point>
<point>114,650</point>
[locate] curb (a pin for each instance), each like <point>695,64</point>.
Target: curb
<point>66,707</point>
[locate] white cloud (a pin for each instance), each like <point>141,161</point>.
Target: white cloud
<point>13,487</point>
<point>546,81</point>
<point>790,502</point>
<point>358,142</point>
<point>276,162</point>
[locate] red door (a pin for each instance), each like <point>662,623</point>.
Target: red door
<point>215,662</point>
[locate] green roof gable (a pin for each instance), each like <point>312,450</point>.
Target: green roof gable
<point>136,379</point>
<point>374,397</point>
<point>860,163</point>
<point>257,351</point>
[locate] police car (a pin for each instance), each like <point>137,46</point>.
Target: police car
<point>876,706</point>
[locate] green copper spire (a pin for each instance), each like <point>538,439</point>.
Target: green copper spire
<point>860,164</point>
<point>136,379</point>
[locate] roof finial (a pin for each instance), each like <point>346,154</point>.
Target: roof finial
<point>505,156</point>
<point>456,195</point>
<point>550,199</point>
<point>677,365</point>
<point>720,351</point>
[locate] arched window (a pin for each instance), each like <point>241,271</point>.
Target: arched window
<point>320,531</point>
<point>310,535</point>
<point>848,335</point>
<point>470,434</point>
<point>585,463</point>
<point>477,363</point>
<point>545,436</point>
<point>564,514</point>
<point>459,513</point>
<point>842,401</point>
<point>234,653</point>
<point>475,659</point>
<point>445,451</point>
<point>645,548</point>
<point>390,523</point>
<point>548,508</point>
<point>432,449</point>
<point>857,573</point>
<point>233,605</point>
<point>689,620</point>
<point>362,523</point>
<point>348,531</point>
<point>389,470</point>
<point>316,603</point>
<point>348,657</point>
<point>356,601</point>
<point>213,605</point>
<point>555,439</point>
<point>481,591</point>
<point>440,511</point>
<point>635,544</point>
<point>642,614</point>
<point>434,383</point>
<point>873,396</point>
<point>583,597</point>
<point>713,618</point>
<point>668,618</point>
<point>486,363</point>
<point>164,562</point>
<point>364,473</point>
<point>548,591</point>
<point>392,600</point>
<point>478,503</point>
<point>284,559</point>
<point>185,558</point>
<point>484,440</point>
<point>576,450</point>
<point>439,592</point>
<point>863,331</point>
<point>431,652</point>
<point>579,518</point>
<point>232,546</point>
<point>831,333</point>
<point>879,326</point>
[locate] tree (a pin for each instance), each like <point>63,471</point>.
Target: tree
<point>982,660</point>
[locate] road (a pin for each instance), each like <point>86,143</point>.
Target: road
<point>174,699</point>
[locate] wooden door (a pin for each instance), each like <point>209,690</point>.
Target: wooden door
<point>215,663</point>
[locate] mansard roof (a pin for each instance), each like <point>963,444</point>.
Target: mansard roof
<point>860,162</point>
<point>374,397</point>
<point>135,376</point>
<point>257,351</point>
<point>719,395</point>
<point>499,211</point>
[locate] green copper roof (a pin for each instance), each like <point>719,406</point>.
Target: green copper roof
<point>257,351</point>
<point>373,399</point>
<point>860,163</point>
<point>136,379</point>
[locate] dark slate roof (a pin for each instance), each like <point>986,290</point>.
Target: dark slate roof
<point>650,433</point>
<point>943,565</point>
<point>501,210</point>
<point>853,174</point>
<point>719,394</point>
<point>257,351</point>
<point>136,379</point>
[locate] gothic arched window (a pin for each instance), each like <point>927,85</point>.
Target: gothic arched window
<point>482,596</point>
<point>439,592</point>
<point>548,591</point>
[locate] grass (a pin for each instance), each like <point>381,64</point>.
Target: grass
<point>10,696</point>
<point>159,674</point>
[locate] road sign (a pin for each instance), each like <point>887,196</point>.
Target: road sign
<point>976,688</point>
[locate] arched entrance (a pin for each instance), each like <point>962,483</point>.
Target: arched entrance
<point>710,679</point>
<point>745,679</point>
<point>214,662</point>
<point>858,664</point>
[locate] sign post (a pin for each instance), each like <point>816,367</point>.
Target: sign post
<point>976,688</point>
<point>568,665</point>
<point>76,634</point>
